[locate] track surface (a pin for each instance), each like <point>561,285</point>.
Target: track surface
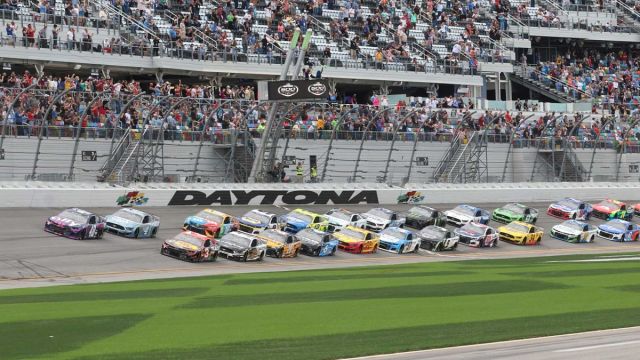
<point>596,345</point>
<point>32,257</point>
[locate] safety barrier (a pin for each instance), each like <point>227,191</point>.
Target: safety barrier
<point>60,195</point>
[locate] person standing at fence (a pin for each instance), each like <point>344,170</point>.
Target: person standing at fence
<point>314,174</point>
<point>299,173</point>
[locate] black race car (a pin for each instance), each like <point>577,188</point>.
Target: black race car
<point>317,243</point>
<point>421,216</point>
<point>242,246</point>
<point>190,246</point>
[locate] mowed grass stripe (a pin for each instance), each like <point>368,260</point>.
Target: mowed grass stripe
<point>20,340</point>
<point>389,292</point>
<point>102,295</point>
<point>341,277</point>
<point>397,339</point>
<point>576,272</point>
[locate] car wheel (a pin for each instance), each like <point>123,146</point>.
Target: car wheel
<point>316,252</point>
<point>136,233</point>
<point>99,234</point>
<point>401,250</point>
<point>245,258</point>
<point>592,238</point>
<point>573,217</point>
<point>213,256</point>
<point>295,253</point>
<point>261,256</point>
<point>455,246</point>
<point>153,233</point>
<point>333,250</point>
<point>279,253</point>
<point>534,221</point>
<point>83,234</point>
<point>538,241</point>
<point>416,249</point>
<point>375,248</point>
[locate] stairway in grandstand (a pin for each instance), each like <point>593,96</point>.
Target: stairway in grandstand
<point>627,15</point>
<point>560,162</point>
<point>524,78</point>
<point>463,163</point>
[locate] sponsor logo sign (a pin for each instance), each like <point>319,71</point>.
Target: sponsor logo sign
<point>290,90</point>
<point>269,197</point>
<point>287,90</point>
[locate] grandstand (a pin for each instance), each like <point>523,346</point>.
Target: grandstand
<point>419,91</point>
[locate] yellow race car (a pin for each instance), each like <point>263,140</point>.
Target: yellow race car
<point>358,241</point>
<point>279,243</point>
<point>520,233</point>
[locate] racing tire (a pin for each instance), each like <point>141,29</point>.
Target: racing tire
<point>316,252</point>
<point>573,217</point>
<point>401,250</point>
<point>83,235</point>
<point>278,253</point>
<point>591,239</point>
<point>538,241</point>
<point>213,256</point>
<point>136,233</point>
<point>153,233</point>
<point>494,244</point>
<point>333,250</point>
<point>534,221</point>
<point>455,246</point>
<point>375,249</point>
<point>261,256</point>
<point>360,250</point>
<point>416,249</point>
<point>245,258</point>
<point>295,253</point>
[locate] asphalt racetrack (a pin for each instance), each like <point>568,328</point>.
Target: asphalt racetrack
<point>32,257</point>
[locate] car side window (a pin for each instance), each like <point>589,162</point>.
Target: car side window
<point>92,220</point>
<point>394,217</point>
<point>410,236</point>
<point>354,218</point>
<point>581,207</point>
<point>489,231</point>
<point>478,213</point>
<point>274,220</point>
<point>435,214</point>
<point>622,207</point>
<point>290,240</point>
<point>227,220</point>
<point>585,228</point>
<point>254,243</point>
<point>316,219</point>
<point>325,239</point>
<point>527,211</point>
<point>145,220</point>
<point>630,227</point>
<point>368,237</point>
<point>532,230</point>
<point>207,243</point>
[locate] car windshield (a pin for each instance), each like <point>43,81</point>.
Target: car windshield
<point>74,216</point>
<point>609,205</point>
<point>210,216</point>
<point>353,234</point>
<point>302,217</point>
<point>416,210</point>
<point>259,217</point>
<point>473,228</point>
<point>129,216</point>
<point>275,236</point>
<point>465,210</point>
<point>310,235</point>
<point>433,232</point>
<point>188,239</point>
<point>395,233</point>
<point>518,227</point>
<point>568,203</point>
<point>237,239</point>
<point>514,208</point>
<point>340,214</point>
<point>617,225</point>
<point>573,225</point>
<point>380,214</point>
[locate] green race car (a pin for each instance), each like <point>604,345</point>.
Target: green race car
<point>515,212</point>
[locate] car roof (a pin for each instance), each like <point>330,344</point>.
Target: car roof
<point>134,211</point>
<point>575,222</point>
<point>619,221</point>
<point>258,211</point>
<point>399,229</point>
<point>194,235</point>
<point>314,230</point>
<point>215,212</point>
<point>306,212</point>
<point>80,211</point>
<point>360,230</point>
<point>522,223</point>
<point>436,227</point>
<point>241,234</point>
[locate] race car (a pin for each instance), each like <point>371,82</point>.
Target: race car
<point>255,221</point>
<point>355,240</point>
<point>211,223</point>
<point>133,223</point>
<point>570,208</point>
<point>242,246</point>
<point>76,223</point>
<point>463,214</point>
<point>611,209</point>
<point>380,218</point>
<point>477,235</point>
<point>299,219</point>
<point>520,233</point>
<point>190,246</point>
<point>515,212</point>
<point>619,230</point>
<point>317,243</point>
<point>339,218</point>
<point>436,238</point>
<point>280,243</point>
<point>420,216</point>
<point>574,231</point>
<point>636,209</point>
<point>399,240</point>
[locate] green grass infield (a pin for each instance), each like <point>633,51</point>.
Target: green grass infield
<point>322,314</point>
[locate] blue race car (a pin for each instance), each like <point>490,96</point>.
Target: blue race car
<point>619,230</point>
<point>132,223</point>
<point>398,240</point>
<point>299,219</point>
<point>317,243</point>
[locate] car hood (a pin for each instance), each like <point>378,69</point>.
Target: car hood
<point>346,238</point>
<point>182,245</point>
<point>603,209</point>
<point>60,221</point>
<point>610,229</point>
<point>121,221</point>
<point>375,219</point>
<point>231,245</point>
<point>390,239</point>
<point>198,221</point>
<point>561,208</point>
<point>567,230</point>
<point>413,216</point>
<point>336,221</point>
<point>458,215</point>
<point>252,222</point>
<point>506,212</point>
<point>290,220</point>
<point>467,233</point>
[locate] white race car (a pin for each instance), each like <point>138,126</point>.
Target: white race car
<point>339,218</point>
<point>379,219</point>
<point>463,214</point>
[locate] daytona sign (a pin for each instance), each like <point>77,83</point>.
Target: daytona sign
<point>270,197</point>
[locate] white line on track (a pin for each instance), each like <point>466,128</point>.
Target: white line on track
<point>585,348</point>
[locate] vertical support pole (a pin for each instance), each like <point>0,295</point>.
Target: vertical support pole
<point>43,124</point>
